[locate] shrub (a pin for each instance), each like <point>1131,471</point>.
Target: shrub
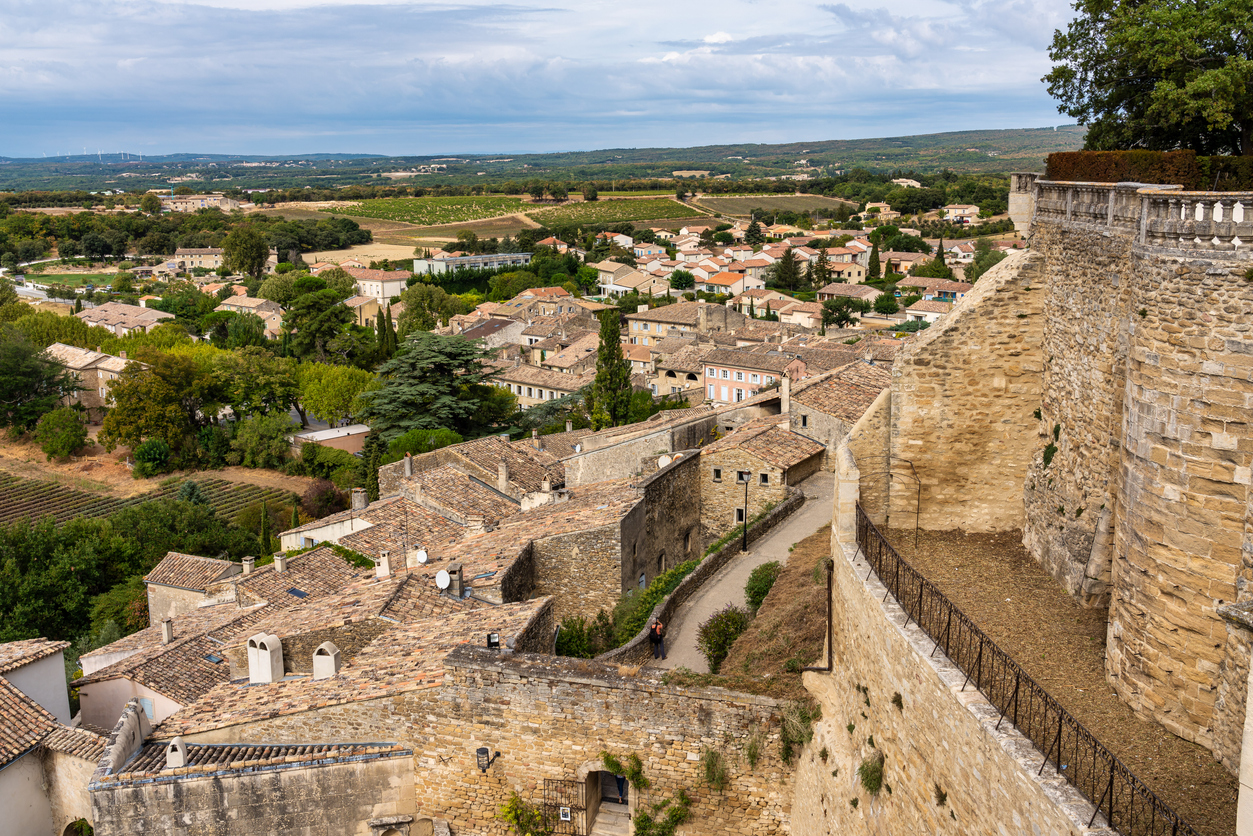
<point>797,728</point>
<point>760,581</point>
<point>151,457</point>
<point>190,491</point>
<point>262,441</point>
<point>575,638</point>
<point>526,819</point>
<point>719,632</point>
<point>321,462</point>
<point>60,432</point>
<point>1137,166</point>
<point>417,442</point>
<point>715,768</point>
<point>633,611</point>
<point>871,772</point>
<point>322,498</point>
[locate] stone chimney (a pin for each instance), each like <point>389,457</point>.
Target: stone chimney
<point>546,486</point>
<point>504,437</point>
<point>99,349</point>
<point>641,308</point>
<point>280,563</point>
<point>122,354</point>
<point>408,464</point>
<point>476,523</point>
<point>569,426</point>
<point>535,439</point>
<point>502,477</point>
<point>383,568</point>
<point>702,318</point>
<point>785,394</point>
<point>359,499</point>
<point>456,585</point>
<point>167,631</point>
<point>249,563</point>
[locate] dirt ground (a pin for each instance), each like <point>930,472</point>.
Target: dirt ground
<point>1062,646</point>
<point>787,634</point>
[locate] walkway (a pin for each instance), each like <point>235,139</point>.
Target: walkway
<point>728,585</point>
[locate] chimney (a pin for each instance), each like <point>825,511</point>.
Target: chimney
<point>383,569</point>
<point>455,584</point>
<point>502,477</point>
<point>122,354</point>
<point>176,753</point>
<point>546,486</point>
<point>98,350</point>
<point>265,658</point>
<point>359,500</point>
<point>702,318</point>
<point>785,394</point>
<point>249,563</point>
<point>504,437</point>
<point>569,426</point>
<point>408,464</point>
<point>167,631</point>
<point>326,661</point>
<point>476,523</point>
<point>535,439</point>
<point>280,563</point>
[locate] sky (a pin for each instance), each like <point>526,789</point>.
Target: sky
<point>278,77</point>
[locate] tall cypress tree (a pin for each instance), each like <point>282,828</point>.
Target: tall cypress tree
<point>265,529</point>
<point>873,270</point>
<point>611,391</point>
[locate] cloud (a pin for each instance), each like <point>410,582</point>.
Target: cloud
<point>288,76</point>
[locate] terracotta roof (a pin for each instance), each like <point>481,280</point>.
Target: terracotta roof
<point>681,313</point>
<point>23,722</point>
<point>408,657</point>
<point>398,523</point>
<point>528,467</point>
<point>80,742</point>
<point>529,375</point>
<point>76,358</point>
<point>14,655</point>
<point>689,359</point>
<point>562,444</point>
<point>769,441</point>
<point>846,393</point>
<point>190,623</point>
<point>578,352</point>
<point>217,758</point>
<point>361,274</point>
<point>317,572</point>
<point>858,291</point>
<point>926,306</point>
<point>450,489</point>
<point>189,571</point>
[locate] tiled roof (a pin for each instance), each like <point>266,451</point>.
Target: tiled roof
<point>361,274</point>
<point>73,357</point>
<point>317,572</point>
<point>769,441</point>
<point>681,313</point>
<point>191,623</point>
<point>578,352</point>
<point>80,742</point>
<point>214,758</point>
<point>189,571</point>
<point>562,444</point>
<point>15,654</point>
<point>398,525</point>
<point>925,306</point>
<point>528,375</point>
<point>857,291</point>
<point>408,657</point>
<point>669,345</point>
<point>23,722</point>
<point>460,493</point>
<point>528,467</point>
<point>690,359</point>
<point>846,393</point>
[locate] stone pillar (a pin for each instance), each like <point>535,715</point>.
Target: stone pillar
<point>1022,200</point>
<point>847,492</point>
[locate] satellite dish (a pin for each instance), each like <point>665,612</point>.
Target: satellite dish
<point>422,556</point>
<point>663,461</point>
<point>442,580</point>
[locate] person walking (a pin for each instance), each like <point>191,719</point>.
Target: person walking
<point>657,636</point>
<point>620,780</point>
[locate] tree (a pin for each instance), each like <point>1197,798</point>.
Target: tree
<point>753,235</point>
<point>332,393</point>
<point>262,441</point>
<point>682,280</point>
<point>818,275</point>
<point>841,311</point>
<point>150,204</point>
<point>60,432</point>
<point>314,319</point>
<point>1158,74</point>
<point>279,288</point>
<point>165,396</point>
<point>873,271</point>
<point>255,382</point>
<point>590,194</point>
<point>885,303</point>
<point>785,272</point>
<point>611,391</point>
<point>246,329</point>
<point>986,257</point>
<point>436,381</point>
<point>245,250</point>
<point>31,382</point>
<point>426,306</point>
<point>339,280</point>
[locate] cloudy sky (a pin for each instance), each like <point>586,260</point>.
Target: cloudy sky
<point>373,76</point>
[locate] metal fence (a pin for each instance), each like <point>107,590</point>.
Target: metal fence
<point>1127,804</point>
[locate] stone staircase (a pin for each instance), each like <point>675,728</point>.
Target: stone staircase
<point>612,820</point>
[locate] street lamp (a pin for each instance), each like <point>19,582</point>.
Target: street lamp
<point>482,758</point>
<point>744,476</point>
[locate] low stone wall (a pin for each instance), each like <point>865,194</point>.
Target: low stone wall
<point>638,651</point>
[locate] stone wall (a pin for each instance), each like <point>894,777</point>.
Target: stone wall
<point>941,735</point>
<point>583,571</point>
<point>66,778</point>
<point>671,515</point>
<point>825,429</point>
<point>869,441</point>
<point>335,799</point>
<point>626,457</point>
<point>963,396</point>
<point>1233,685</point>
<point>722,497</point>
<point>169,601</point>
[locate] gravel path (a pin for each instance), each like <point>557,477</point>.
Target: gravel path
<point>728,585</point>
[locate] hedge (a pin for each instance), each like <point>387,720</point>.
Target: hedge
<point>1184,168</point>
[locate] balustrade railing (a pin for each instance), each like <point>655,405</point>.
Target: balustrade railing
<point>1127,804</point>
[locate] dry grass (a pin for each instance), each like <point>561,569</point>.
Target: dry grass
<point>787,634</point>
<point>1062,646</point>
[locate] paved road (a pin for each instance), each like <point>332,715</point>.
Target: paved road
<point>728,585</point>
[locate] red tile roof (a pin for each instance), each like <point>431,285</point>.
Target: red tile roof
<point>189,571</point>
<point>14,655</point>
<point>23,722</point>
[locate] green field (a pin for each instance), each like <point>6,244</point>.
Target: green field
<point>432,211</point>
<point>611,211</point>
<point>644,193</point>
<point>771,203</point>
<point>72,279</point>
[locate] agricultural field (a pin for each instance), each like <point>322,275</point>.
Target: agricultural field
<point>35,499</point>
<point>611,211</point>
<point>72,279</point>
<point>741,206</point>
<point>431,211</point>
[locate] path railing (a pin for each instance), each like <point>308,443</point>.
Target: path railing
<point>1127,804</point>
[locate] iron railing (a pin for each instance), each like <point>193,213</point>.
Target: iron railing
<point>1128,805</point>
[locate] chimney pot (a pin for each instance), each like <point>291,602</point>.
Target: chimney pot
<point>383,569</point>
<point>167,631</point>
<point>176,753</point>
<point>502,477</point>
<point>456,585</point>
<point>280,563</point>
<point>408,464</point>
<point>504,437</point>
<point>569,426</point>
<point>785,394</point>
<point>476,523</point>
<point>359,499</point>
<point>546,486</point>
<point>249,563</point>
<point>122,354</point>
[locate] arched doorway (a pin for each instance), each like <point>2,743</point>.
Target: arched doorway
<point>80,827</point>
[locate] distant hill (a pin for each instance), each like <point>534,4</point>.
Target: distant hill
<point>968,151</point>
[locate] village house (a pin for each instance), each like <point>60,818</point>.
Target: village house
<point>92,372</point>
<point>855,291</point>
<point>962,213</point>
<point>180,583</point>
<point>730,283</point>
<point>533,385</point>
<point>633,281</point>
<point>208,258</point>
<point>554,243</point>
<point>754,300</point>
<point>927,311</point>
<point>882,211</point>
<point>123,319</point>
<point>615,238</point>
<point>196,202</point>
<point>650,325</point>
<point>825,407</point>
<point>643,250</point>
<point>447,263</point>
<point>381,285</point>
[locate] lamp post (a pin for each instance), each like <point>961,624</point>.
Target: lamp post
<point>746,476</point>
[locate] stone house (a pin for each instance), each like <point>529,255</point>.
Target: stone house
<point>825,407</point>
<point>855,291</point>
<point>925,311</point>
<point>752,467</point>
<point>93,370</point>
<point>532,385</point>
<point>249,304</point>
<point>191,258</point>
<point>196,202</point>
<point>123,319</point>
<point>179,583</point>
<point>380,285</point>
<point>733,375</point>
<point>681,319</point>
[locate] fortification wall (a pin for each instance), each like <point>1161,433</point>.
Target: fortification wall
<point>963,396</point>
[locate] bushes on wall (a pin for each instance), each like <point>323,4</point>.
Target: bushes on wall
<point>1184,168</point>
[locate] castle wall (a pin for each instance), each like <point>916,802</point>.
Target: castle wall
<point>963,396</point>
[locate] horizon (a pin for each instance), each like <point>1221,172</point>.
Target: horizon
<point>416,79</point>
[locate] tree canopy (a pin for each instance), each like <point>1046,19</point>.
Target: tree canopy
<point>611,391</point>
<point>31,382</point>
<point>1158,74</point>
<point>245,250</point>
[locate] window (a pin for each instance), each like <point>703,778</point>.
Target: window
<point>770,378</point>
<point>687,542</point>
<point>717,474</point>
<point>763,478</point>
<point>754,378</point>
<point>643,580</point>
<point>739,376</point>
<point>725,374</point>
<point>804,421</point>
<point>711,391</point>
<point>709,372</point>
<point>529,391</point>
<point>743,475</point>
<point>739,515</point>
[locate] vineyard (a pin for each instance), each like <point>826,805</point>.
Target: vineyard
<point>28,498</point>
<point>611,211</point>
<point>432,211</point>
<point>772,203</point>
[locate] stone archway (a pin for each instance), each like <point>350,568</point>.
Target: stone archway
<point>78,827</point>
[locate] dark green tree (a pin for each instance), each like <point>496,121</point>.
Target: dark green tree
<point>818,274</point>
<point>885,303</point>
<point>31,382</point>
<point>753,235</point>
<point>874,271</point>
<point>842,310</point>
<point>245,251</point>
<point>611,391</point>
<point>314,320</point>
<point>785,272</point>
